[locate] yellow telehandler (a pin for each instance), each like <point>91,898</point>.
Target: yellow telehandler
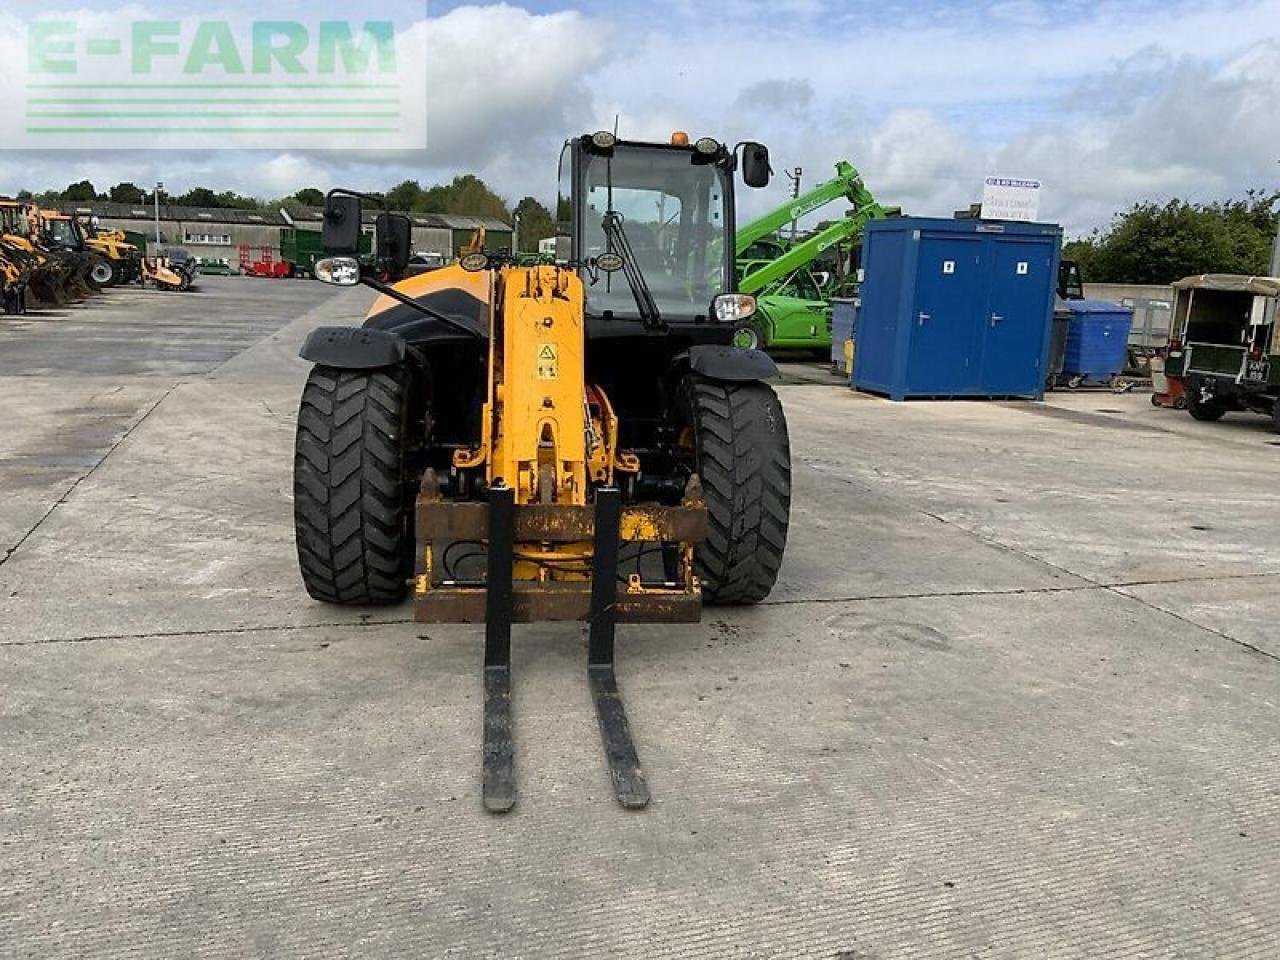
<point>578,442</point>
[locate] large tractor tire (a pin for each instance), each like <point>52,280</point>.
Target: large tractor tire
<point>1202,410</point>
<point>103,273</point>
<point>352,511</point>
<point>743,456</point>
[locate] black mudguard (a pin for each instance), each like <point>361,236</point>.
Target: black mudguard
<point>354,348</point>
<point>732,364</point>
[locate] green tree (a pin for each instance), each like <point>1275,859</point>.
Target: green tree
<point>236,201</point>
<point>405,196</point>
<point>536,224</point>
<point>127,193</point>
<point>469,195</point>
<point>434,200</point>
<point>227,199</point>
<point>1159,243</point>
<point>81,192</point>
<point>310,197</point>
<point>466,194</point>
<point>198,197</point>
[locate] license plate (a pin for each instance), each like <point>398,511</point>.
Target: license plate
<point>1257,370</point>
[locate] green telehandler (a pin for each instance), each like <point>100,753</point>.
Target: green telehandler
<point>793,312</point>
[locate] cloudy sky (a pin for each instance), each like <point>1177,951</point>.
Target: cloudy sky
<point>1107,102</point>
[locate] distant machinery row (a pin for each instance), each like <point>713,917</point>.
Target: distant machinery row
<point>217,234</point>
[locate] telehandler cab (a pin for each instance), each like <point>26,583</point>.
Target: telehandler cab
<point>578,442</point>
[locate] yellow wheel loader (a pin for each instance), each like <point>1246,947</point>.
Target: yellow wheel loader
<point>121,260</point>
<point>50,275</point>
<point>62,234</point>
<point>577,442</point>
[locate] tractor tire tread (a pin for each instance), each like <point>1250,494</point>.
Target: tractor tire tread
<point>353,528</point>
<point>744,462</point>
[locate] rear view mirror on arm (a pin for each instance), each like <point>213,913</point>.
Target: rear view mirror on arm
<point>395,242</point>
<point>340,235</point>
<point>756,171</point>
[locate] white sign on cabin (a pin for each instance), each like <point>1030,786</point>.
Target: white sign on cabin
<point>1006,198</point>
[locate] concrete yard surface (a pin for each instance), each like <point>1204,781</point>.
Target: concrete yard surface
<point>1016,695</point>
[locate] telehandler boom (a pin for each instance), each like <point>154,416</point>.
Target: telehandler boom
<point>792,313</point>
<point>846,183</point>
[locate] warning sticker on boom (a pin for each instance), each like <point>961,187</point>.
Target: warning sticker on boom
<point>548,362</point>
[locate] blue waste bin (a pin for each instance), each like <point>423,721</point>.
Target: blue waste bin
<point>1097,342</point>
<point>844,318</point>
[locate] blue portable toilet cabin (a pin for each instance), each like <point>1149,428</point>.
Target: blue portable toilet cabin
<point>956,308</point>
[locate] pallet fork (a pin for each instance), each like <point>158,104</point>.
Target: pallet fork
<point>629,784</point>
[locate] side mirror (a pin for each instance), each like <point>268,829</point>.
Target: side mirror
<point>755,165</point>
<point>395,241</point>
<point>340,235</point>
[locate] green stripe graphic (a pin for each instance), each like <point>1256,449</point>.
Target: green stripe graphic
<point>153,85</point>
<point>196,115</point>
<point>225,100</point>
<point>153,131</point>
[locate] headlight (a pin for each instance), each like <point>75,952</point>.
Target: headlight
<point>604,140</point>
<point>339,271</point>
<point>707,146</point>
<point>732,307</point>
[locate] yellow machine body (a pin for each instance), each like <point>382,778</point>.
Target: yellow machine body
<point>535,415</point>
<point>48,277</point>
<point>17,228</point>
<point>553,438</point>
<point>111,245</point>
<point>156,270</point>
<point>476,285</point>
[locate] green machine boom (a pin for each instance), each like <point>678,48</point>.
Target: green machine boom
<point>793,313</point>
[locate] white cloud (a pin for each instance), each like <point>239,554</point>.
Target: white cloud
<point>1197,132</point>
<point>501,78</point>
<point>1109,102</point>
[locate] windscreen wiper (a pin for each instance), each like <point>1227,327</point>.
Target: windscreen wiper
<point>650,316</point>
